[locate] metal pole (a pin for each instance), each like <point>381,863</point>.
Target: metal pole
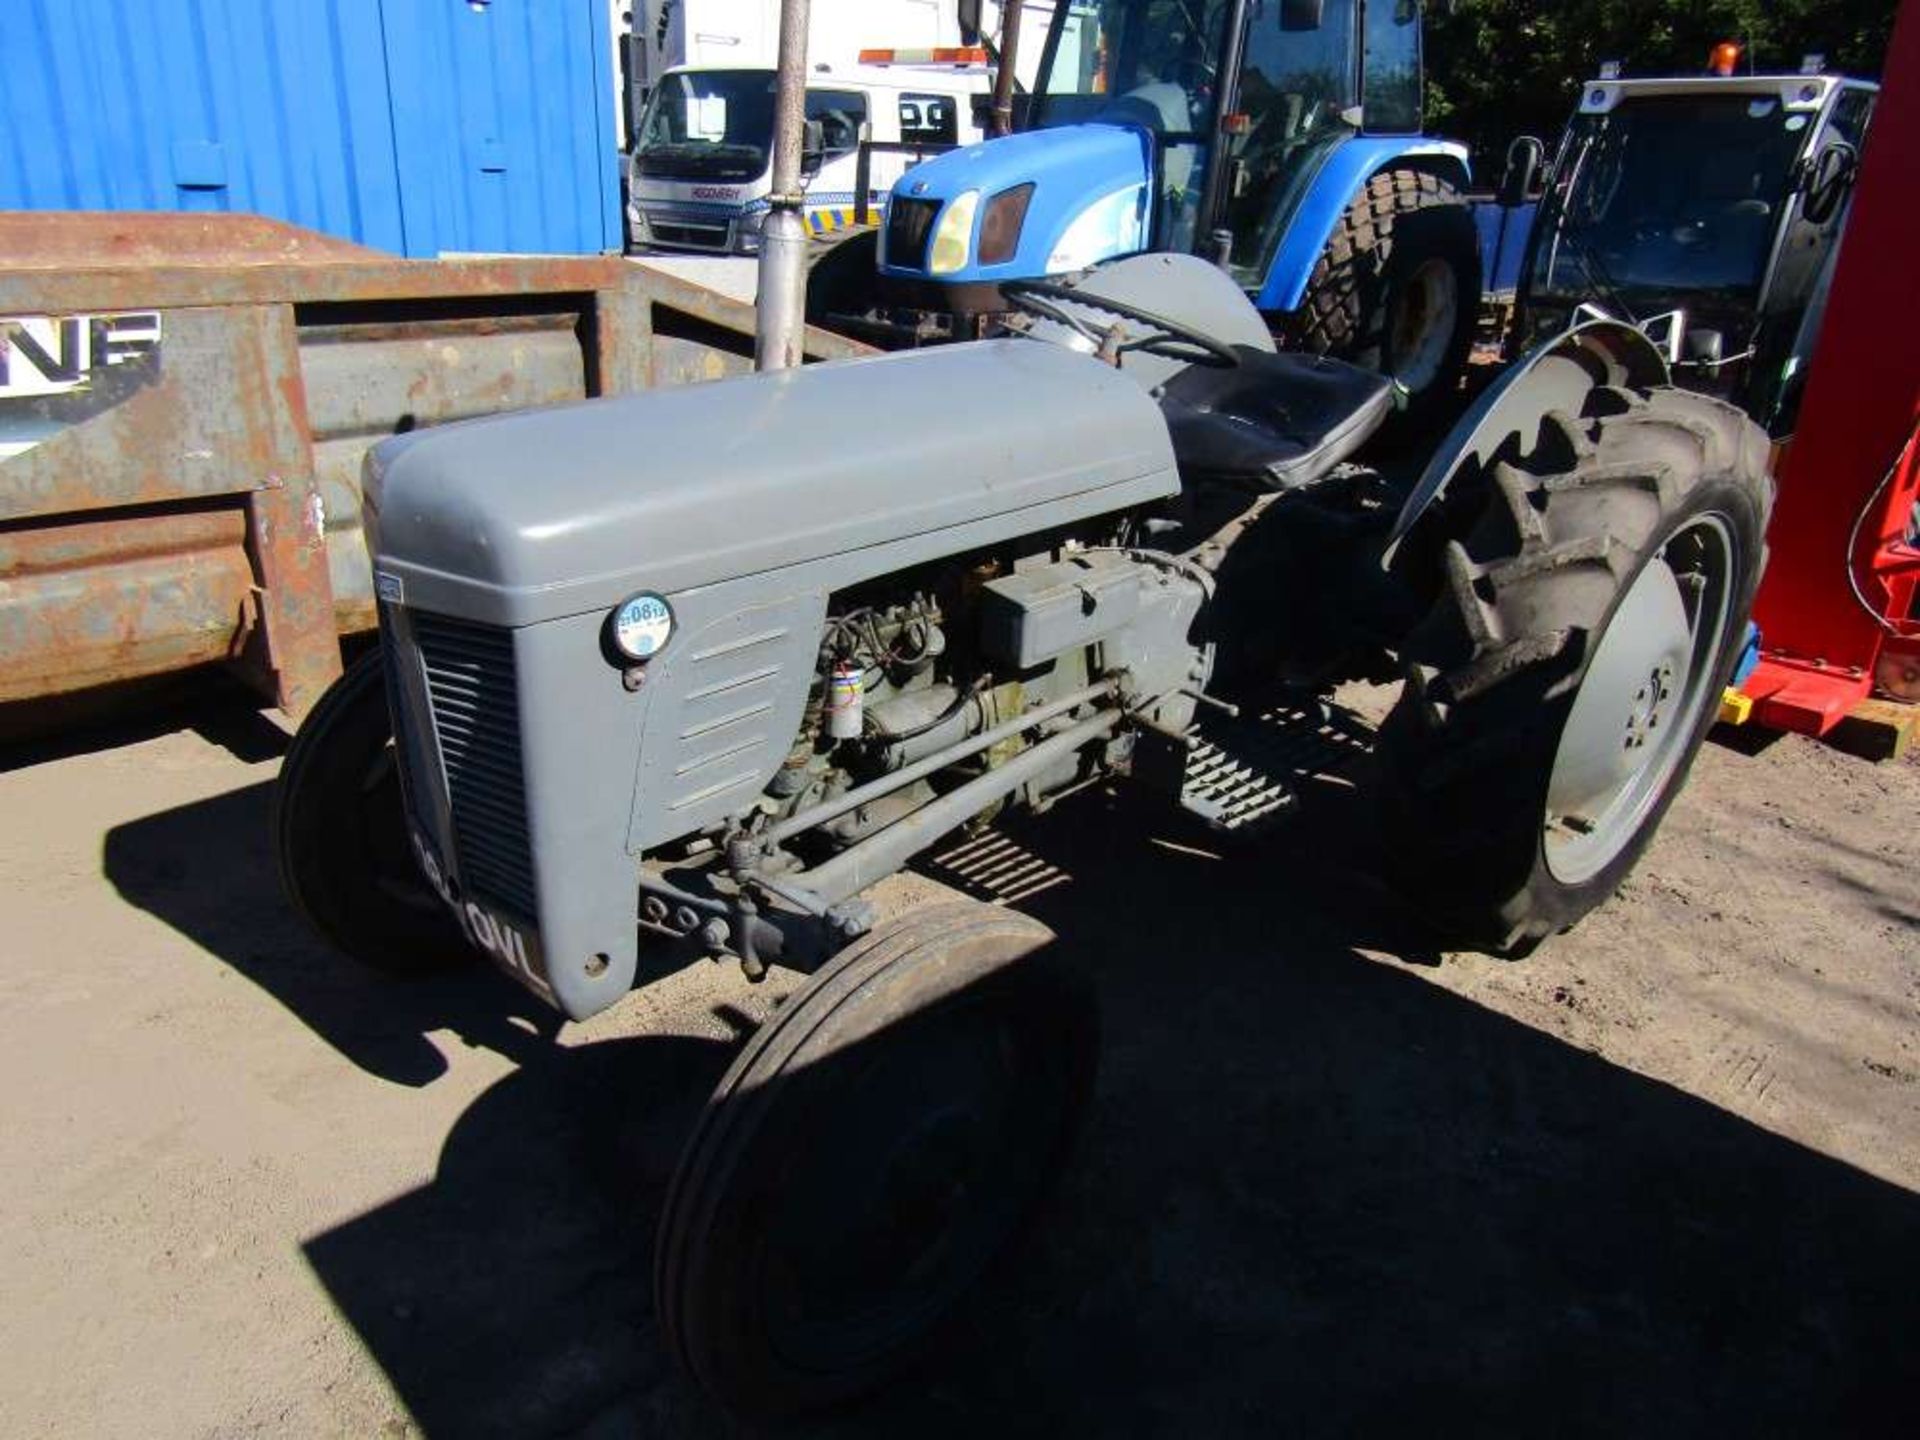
<point>1003,80</point>
<point>878,856</point>
<point>780,329</point>
<point>1213,193</point>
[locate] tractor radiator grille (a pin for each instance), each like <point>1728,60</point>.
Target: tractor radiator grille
<point>476,718</point>
<point>908,222</point>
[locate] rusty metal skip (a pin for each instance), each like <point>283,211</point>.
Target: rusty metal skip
<point>196,393</point>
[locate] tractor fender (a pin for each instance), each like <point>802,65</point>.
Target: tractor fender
<point>1341,176</point>
<point>1555,376</point>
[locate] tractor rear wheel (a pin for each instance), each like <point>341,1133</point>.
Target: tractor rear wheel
<point>340,835</point>
<point>1557,693</point>
<point>869,1154</point>
<point>1398,287</point>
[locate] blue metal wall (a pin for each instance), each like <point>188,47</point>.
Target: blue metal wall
<point>413,125</point>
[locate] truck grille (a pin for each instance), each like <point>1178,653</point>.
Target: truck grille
<point>474,696</point>
<point>908,222</point>
<point>691,234</point>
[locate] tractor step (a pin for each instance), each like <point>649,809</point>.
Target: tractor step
<point>1245,772</point>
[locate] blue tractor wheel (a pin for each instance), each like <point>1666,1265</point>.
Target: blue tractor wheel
<point>1398,287</point>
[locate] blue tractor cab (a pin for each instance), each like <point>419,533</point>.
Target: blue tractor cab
<point>1280,138</point>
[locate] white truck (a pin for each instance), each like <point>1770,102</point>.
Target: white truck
<point>699,75</point>
<point>664,35</point>
<point>699,171</point>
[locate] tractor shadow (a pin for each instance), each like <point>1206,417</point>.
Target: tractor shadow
<point>1316,1195</point>
<point>207,869</point>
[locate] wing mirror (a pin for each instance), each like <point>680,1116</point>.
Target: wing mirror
<point>968,13</point>
<point>1302,14</point>
<point>813,148</point>
<point>1520,181</point>
<point>1703,350</point>
<point>1829,180</point>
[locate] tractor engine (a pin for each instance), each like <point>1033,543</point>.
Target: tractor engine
<point>710,661</point>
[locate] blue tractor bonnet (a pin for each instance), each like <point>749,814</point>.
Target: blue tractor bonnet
<point>1100,175</point>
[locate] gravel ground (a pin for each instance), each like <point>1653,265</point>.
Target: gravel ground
<point>1661,1178</point>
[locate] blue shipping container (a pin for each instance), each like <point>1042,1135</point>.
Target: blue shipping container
<point>417,126</point>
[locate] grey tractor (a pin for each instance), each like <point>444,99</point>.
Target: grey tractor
<point>686,673</point>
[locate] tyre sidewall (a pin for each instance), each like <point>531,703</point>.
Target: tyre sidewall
<point>843,279</point>
<point>320,843</point>
<point>1442,232</point>
<point>715,1238</point>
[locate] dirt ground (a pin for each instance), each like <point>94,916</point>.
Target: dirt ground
<point>1664,1178</point>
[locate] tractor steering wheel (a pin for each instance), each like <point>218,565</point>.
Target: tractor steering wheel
<point>1170,338</point>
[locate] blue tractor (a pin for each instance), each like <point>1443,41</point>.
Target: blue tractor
<point>1280,138</point>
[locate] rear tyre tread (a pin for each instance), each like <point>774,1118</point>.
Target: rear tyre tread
<point>1492,671</point>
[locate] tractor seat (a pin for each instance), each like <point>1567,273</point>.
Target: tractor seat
<point>1275,421</point>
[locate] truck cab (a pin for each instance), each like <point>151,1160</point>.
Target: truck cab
<point>700,168</point>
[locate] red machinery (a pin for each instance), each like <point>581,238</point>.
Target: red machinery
<point>1835,611</point>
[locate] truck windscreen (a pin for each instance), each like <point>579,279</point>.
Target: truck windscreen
<point>707,125</point>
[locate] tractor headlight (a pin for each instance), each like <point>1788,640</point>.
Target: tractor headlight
<point>953,238</point>
<point>1111,226</point>
<point>641,626</point>
<point>1000,226</point>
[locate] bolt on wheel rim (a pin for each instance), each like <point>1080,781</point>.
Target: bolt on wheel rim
<point>1640,701</point>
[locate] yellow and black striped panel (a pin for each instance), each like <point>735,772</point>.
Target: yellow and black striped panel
<point>827,218</point>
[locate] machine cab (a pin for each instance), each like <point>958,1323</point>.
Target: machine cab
<point>1704,209</point>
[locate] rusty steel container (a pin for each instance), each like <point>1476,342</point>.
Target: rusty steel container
<point>185,402</point>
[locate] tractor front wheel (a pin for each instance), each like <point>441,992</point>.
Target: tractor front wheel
<point>340,835</point>
<point>868,1156</point>
<point>1560,688</point>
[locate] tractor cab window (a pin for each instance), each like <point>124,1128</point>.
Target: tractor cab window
<point>1296,88</point>
<point>841,113</point>
<point>1669,198</point>
<point>1151,63</point>
<point>1156,62</point>
<point>1390,84</point>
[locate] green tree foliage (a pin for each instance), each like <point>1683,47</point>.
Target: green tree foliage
<point>1501,68</point>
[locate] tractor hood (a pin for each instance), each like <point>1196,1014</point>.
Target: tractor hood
<point>517,519</point>
<point>1092,187</point>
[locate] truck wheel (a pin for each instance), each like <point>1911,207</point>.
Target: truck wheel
<point>1398,287</point>
<point>340,835</point>
<point>1561,686</point>
<point>876,1146</point>
<point>843,281</point>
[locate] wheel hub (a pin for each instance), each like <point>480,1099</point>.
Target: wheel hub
<point>1646,682</point>
<point>1651,704</point>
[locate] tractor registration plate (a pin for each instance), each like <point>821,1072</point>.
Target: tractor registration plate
<point>504,941</point>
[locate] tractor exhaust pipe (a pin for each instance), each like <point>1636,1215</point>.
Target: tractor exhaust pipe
<point>780,326</point>
<point>1003,79</point>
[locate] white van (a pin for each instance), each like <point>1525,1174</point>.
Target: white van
<point>698,174</point>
